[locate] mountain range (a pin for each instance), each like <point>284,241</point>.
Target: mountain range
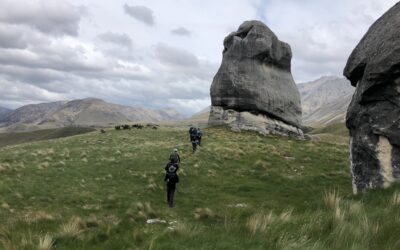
<point>83,112</point>
<point>324,101</point>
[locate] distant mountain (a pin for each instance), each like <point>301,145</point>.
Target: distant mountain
<point>84,112</point>
<point>30,114</point>
<point>4,111</point>
<point>325,100</point>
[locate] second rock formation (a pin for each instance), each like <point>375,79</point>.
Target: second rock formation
<point>254,88</point>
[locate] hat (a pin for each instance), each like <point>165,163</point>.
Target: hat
<point>175,150</point>
<point>172,168</point>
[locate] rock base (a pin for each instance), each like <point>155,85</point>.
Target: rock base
<point>254,122</point>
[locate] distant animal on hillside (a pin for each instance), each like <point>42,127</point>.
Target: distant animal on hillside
<point>102,131</point>
<point>138,126</point>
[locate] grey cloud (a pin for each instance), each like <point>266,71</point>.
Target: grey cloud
<point>181,32</point>
<point>116,38</point>
<point>174,56</point>
<point>11,37</point>
<point>141,13</point>
<point>59,58</point>
<point>50,17</point>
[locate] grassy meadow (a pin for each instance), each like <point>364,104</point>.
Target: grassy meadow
<point>239,191</point>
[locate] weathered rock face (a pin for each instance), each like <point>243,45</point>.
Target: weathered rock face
<point>255,77</point>
<point>373,116</point>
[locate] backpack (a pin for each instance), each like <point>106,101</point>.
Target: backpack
<point>174,158</point>
<point>171,177</point>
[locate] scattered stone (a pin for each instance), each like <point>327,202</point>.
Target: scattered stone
<point>154,221</point>
<point>239,205</point>
<point>373,115</point>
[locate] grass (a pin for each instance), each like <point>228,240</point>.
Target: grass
<point>335,133</point>
<point>39,135</point>
<point>239,191</point>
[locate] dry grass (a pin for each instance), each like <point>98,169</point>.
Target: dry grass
<point>259,222</point>
<point>72,229</point>
<point>45,243</point>
<point>395,200</point>
<point>332,199</point>
<point>33,217</point>
<point>204,213</point>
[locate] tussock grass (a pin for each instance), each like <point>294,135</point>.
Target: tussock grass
<point>110,198</point>
<point>204,214</point>
<point>45,243</point>
<point>72,229</point>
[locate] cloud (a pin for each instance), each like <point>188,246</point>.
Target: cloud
<point>59,50</point>
<point>116,38</point>
<point>174,56</point>
<point>50,17</point>
<point>181,32</point>
<point>141,13</point>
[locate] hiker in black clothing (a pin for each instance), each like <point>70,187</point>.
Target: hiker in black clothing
<point>195,142</point>
<point>191,129</point>
<point>171,178</point>
<point>174,157</point>
<point>199,136</point>
<point>170,164</point>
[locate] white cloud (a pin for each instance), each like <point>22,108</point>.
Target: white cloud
<point>57,50</point>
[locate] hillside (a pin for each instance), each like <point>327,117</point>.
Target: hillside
<point>83,112</point>
<point>4,111</point>
<point>240,191</point>
<point>7,139</point>
<point>325,100</point>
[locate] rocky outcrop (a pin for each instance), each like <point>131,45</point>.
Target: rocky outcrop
<point>373,116</point>
<point>254,79</point>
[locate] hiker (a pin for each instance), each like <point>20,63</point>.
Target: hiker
<point>199,136</point>
<point>174,157</point>
<point>169,164</point>
<point>195,142</point>
<point>171,178</point>
<point>191,130</point>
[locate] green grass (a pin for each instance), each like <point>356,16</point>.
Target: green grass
<point>39,135</point>
<point>333,129</point>
<point>96,191</point>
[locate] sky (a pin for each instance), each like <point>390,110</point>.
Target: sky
<point>160,53</point>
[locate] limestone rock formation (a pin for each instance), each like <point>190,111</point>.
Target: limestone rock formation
<point>254,88</point>
<point>373,116</point>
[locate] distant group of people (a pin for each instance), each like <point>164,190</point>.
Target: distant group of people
<point>171,176</point>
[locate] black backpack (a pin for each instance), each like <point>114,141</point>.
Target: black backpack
<point>172,177</point>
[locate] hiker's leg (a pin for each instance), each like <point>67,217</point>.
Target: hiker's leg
<point>171,198</point>
<point>167,194</point>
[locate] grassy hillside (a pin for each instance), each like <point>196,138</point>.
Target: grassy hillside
<point>240,191</point>
<point>46,134</point>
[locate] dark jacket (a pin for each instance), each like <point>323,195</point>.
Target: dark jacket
<point>169,164</point>
<point>171,179</point>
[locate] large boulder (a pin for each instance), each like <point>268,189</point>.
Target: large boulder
<point>373,116</point>
<point>255,77</point>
